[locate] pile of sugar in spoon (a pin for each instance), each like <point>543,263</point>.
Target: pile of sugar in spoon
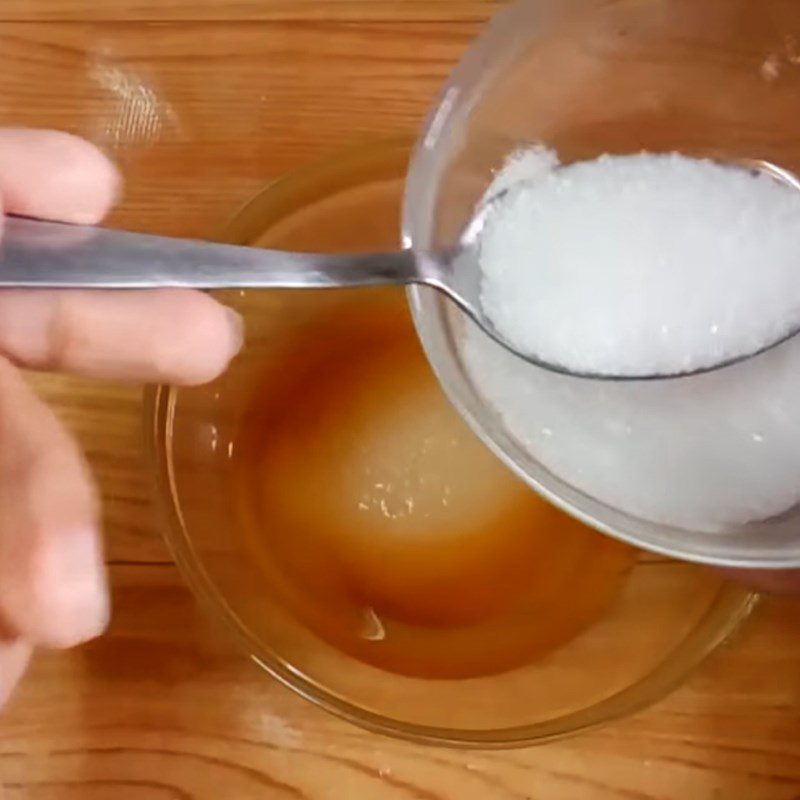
<point>647,264</point>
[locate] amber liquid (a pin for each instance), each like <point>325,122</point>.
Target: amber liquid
<point>383,524</point>
<point>372,513</point>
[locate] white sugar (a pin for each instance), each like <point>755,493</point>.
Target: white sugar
<point>639,264</point>
<point>627,246</point>
<point>703,453</point>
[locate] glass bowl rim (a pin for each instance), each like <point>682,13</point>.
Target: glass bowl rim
<point>495,47</point>
<point>730,608</point>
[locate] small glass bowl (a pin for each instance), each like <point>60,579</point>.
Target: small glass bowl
<point>667,619</point>
<point>709,78</point>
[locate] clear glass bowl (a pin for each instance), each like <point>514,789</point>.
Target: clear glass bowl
<point>714,78</point>
<point>667,619</point>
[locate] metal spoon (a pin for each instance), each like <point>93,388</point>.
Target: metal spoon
<point>36,254</point>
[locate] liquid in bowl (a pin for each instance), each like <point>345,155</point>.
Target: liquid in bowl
<point>385,526</point>
<point>665,618</point>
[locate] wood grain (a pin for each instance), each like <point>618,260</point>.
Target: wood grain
<point>214,10</point>
<point>170,710</point>
<point>163,708</point>
<point>107,421</point>
<point>197,134</point>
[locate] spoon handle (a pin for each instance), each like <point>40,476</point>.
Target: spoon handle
<point>56,255</point>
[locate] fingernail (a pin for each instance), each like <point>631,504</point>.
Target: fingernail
<point>73,566</point>
<point>236,324</point>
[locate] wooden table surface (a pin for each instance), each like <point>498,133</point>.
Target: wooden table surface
<point>202,101</point>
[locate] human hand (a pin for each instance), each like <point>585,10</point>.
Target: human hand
<point>52,579</point>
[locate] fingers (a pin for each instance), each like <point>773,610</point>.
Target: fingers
<point>52,577</point>
<point>175,336</point>
<point>170,335</point>
<point>54,175</point>
<point>14,657</point>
